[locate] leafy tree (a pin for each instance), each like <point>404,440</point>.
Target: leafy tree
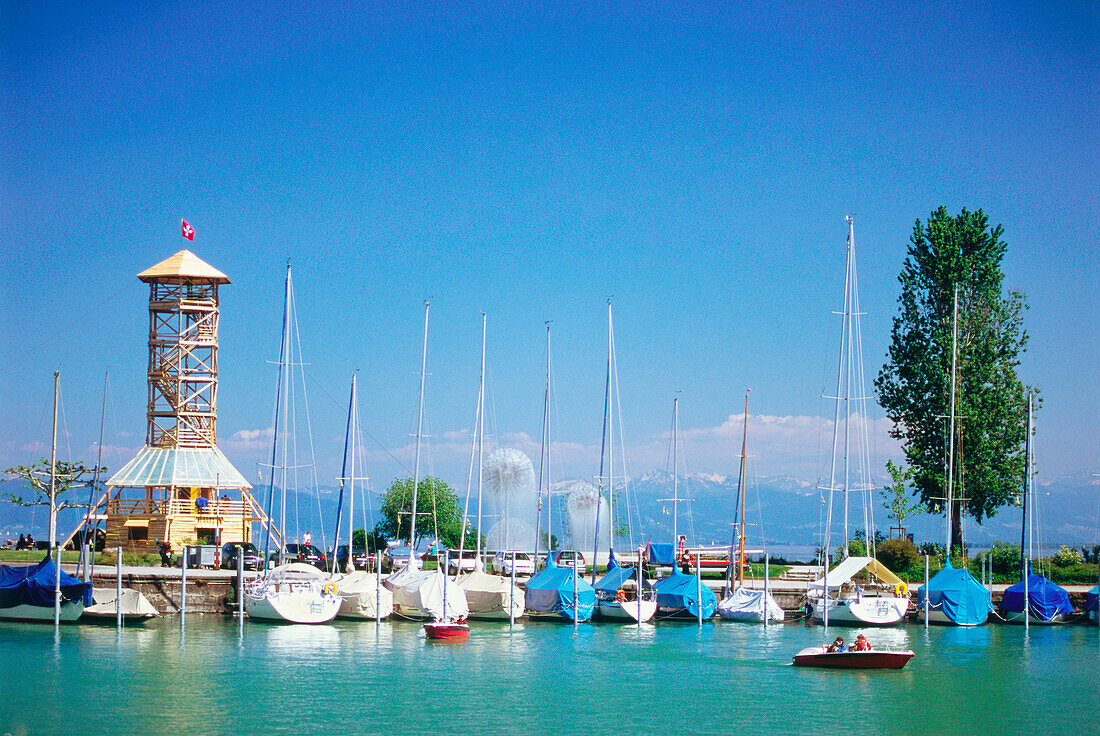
<point>438,513</point>
<point>914,384</point>
<point>900,555</point>
<point>898,501</point>
<point>67,475</point>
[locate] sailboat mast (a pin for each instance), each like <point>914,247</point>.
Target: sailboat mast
<point>848,321</point>
<point>951,421</point>
<point>1025,546</point>
<point>741,495</point>
<point>344,478</point>
<point>53,466</point>
<point>285,367</point>
<point>603,445</point>
<point>354,434</point>
<point>419,433</point>
<point>544,464</point>
<point>284,360</point>
<point>480,433</point>
<point>675,473</point>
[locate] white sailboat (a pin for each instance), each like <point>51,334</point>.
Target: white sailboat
<point>420,593</point>
<point>745,604</point>
<point>362,594</point>
<point>492,597</point>
<point>622,594</point>
<point>878,600</point>
<point>293,593</point>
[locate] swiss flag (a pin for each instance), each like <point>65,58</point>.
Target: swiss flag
<point>187,231</point>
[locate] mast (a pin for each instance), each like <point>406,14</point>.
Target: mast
<point>353,427</point>
<point>951,421</point>
<point>53,465</point>
<point>1025,547</point>
<point>419,431</point>
<point>603,447</point>
<point>343,480</point>
<point>675,487</point>
<point>544,463</point>
<point>741,495</point>
<point>284,360</point>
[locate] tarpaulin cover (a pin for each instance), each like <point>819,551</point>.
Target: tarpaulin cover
<point>746,604</point>
<point>1091,599</point>
<point>1046,599</point>
<point>33,586</point>
<point>678,595</point>
<point>550,590</point>
<point>962,598</point>
<point>617,576</point>
<point>849,568</point>
<point>662,554</point>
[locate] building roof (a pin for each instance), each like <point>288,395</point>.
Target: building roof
<point>179,467</point>
<point>184,265</point>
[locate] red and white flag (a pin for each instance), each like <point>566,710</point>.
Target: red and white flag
<point>187,231</point>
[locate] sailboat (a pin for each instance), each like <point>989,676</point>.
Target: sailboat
<point>295,592</point>
<point>953,596</point>
<point>622,594</point>
<point>681,595</point>
<point>1035,599</point>
<point>362,594</point>
<point>417,593</point>
<point>554,592</point>
<point>881,599</point>
<point>493,597</point>
<point>745,604</point>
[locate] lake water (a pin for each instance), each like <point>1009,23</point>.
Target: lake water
<point>213,676</point>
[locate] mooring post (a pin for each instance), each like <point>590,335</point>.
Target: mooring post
<point>240,583</point>
<point>699,587</point>
<point>118,588</point>
<point>57,586</point>
<point>511,593</point>
<point>183,583</point>
<point>926,591</point>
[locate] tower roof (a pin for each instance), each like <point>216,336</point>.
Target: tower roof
<point>169,467</point>
<point>183,265</point>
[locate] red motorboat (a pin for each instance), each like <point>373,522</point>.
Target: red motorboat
<point>874,659</point>
<point>448,630</point>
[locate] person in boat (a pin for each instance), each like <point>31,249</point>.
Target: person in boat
<point>861,645</point>
<point>837,646</point>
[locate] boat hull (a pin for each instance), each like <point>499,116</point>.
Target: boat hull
<point>1017,617</point>
<point>872,660</point>
<point>292,605</point>
<point>441,631</point>
<point>937,616</point>
<point>867,611</point>
<point>634,611</point>
<point>70,611</point>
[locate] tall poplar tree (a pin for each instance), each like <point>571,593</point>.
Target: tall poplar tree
<point>914,385</point>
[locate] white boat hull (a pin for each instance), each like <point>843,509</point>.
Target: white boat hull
<point>633,611</point>
<point>294,593</point>
<point>868,610</point>
<point>361,597</point>
<point>135,606</point>
<point>748,605</point>
<point>937,616</point>
<point>70,611</point>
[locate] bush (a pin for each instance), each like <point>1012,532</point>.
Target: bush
<point>1066,557</point>
<point>900,555</point>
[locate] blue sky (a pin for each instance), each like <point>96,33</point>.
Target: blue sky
<point>695,166</point>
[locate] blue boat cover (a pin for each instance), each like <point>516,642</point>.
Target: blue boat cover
<point>662,554</point>
<point>550,590</point>
<point>1045,598</point>
<point>33,585</point>
<point>963,599</point>
<point>616,576</point>
<point>1091,599</point>
<point>678,595</point>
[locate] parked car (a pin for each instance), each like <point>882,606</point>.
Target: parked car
<point>502,563</point>
<point>397,558</point>
<point>570,558</point>
<point>306,553</point>
<point>462,560</point>
<point>359,557</point>
<point>253,560</point>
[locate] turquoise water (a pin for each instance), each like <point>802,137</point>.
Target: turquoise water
<point>212,676</point>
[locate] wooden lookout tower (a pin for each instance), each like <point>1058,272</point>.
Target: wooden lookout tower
<point>189,491</point>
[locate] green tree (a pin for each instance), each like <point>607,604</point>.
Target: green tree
<point>438,514</point>
<point>897,497</point>
<point>913,386</point>
<point>66,476</point>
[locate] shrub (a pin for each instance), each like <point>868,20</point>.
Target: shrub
<point>1066,557</point>
<point>900,555</point>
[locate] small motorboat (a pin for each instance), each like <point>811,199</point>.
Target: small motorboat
<point>448,630</point>
<point>874,659</point>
